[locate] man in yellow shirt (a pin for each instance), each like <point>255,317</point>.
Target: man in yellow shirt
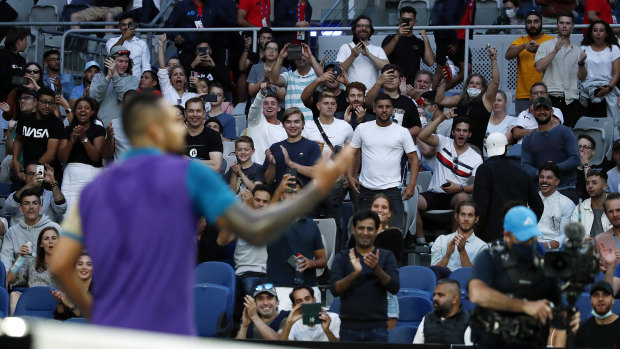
<point>524,50</point>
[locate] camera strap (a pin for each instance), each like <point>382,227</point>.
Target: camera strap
<point>324,135</point>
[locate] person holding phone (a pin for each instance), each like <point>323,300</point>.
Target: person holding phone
<point>12,63</point>
<point>308,310</point>
<point>204,66</point>
<point>140,52</point>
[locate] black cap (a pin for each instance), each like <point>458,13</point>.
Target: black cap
<point>543,102</point>
<point>602,285</point>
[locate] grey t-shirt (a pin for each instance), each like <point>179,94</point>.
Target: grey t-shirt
<point>257,73</point>
<point>597,226</point>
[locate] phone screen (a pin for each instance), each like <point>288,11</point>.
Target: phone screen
<point>310,313</point>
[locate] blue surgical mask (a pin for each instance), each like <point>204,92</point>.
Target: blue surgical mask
<point>524,251</point>
<point>429,113</point>
<point>602,317</point>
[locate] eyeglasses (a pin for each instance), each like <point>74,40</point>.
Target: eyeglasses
<point>31,71</point>
<point>47,102</point>
<point>26,98</point>
<point>53,59</point>
<point>585,147</point>
<point>362,26</point>
<point>264,287</point>
<point>30,173</point>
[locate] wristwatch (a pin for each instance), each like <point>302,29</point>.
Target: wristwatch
<point>586,165</point>
<point>85,140</point>
<point>69,110</point>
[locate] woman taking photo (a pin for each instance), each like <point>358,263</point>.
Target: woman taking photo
<point>81,149</point>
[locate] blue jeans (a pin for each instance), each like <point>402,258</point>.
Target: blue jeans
<point>375,335</point>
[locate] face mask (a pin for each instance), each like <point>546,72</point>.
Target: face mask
<point>473,92</point>
<point>429,113</point>
<point>523,251</point>
<point>510,12</point>
<point>602,317</point>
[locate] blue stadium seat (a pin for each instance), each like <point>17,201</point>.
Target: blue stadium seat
<point>346,212</point>
<point>405,292</point>
<point>584,306</point>
<point>462,275</point>
<point>467,304</point>
<point>4,302</point>
<point>412,310</point>
<point>335,307</point>
<point>2,276</point>
<point>210,302</point>
<point>418,277</point>
<point>402,334</point>
<point>218,273</point>
<point>37,302</point>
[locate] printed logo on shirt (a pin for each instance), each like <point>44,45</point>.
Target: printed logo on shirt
<point>35,132</point>
<point>193,152</point>
<point>191,13</point>
<point>453,164</point>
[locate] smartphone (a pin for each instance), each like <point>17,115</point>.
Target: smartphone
<point>58,90</point>
<point>356,41</point>
<point>19,80</point>
<point>445,185</point>
<point>406,21</point>
<point>40,170</point>
<point>310,313</point>
<point>132,25</point>
<point>202,51</point>
<point>294,52</point>
<point>209,98</point>
<point>292,172</point>
<point>337,71</point>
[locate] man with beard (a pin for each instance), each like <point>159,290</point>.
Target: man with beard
<point>331,83</point>
<point>551,142</point>
<point>355,113</point>
<point>591,213</point>
<point>558,208</point>
<point>609,238</point>
<point>614,174</point>
<point>422,83</point>
<point>557,59</point>
<point>202,142</point>
<point>455,168</point>
<point>602,330</point>
<point>261,318</point>
<point>448,323</point>
<point>90,69</point>
<point>308,69</point>
<point>362,276</point>
<point>59,83</point>
<point>463,241</point>
<point>524,50</point>
<point>364,68</point>
<point>526,122</point>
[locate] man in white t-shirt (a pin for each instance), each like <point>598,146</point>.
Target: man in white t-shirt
<point>140,53</point>
<point>295,330</point>
<point>339,133</point>
<point>558,208</point>
<point>263,125</point>
<point>364,68</point>
<point>526,122</point>
<point>455,168</point>
<point>382,144</point>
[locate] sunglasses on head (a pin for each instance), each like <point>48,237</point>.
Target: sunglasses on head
<point>122,52</point>
<point>264,287</point>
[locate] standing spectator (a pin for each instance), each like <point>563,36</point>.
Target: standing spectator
<point>263,125</point>
<point>140,52</point>
<point>249,58</point>
<point>603,329</point>
<point>142,11</point>
<point>355,113</point>
<point>91,68</point>
<point>557,59</point>
<point>592,213</point>
<point>613,184</point>
<point>598,10</point>
<point>554,9</point>
<point>551,142</point>
<point>34,76</point>
<point>292,13</point>
<point>526,122</point>
<point>500,180</point>
<point>451,43</point>
<point>202,143</point>
<point>203,66</point>
<point>13,64</point>
<point>364,68</point>
<point>149,80</point>
<point>252,13</point>
<point>173,81</point>
<point>260,71</point>
<point>475,101</point>
<point>362,276</point>
<point>308,69</point>
<point>101,10</point>
<point>382,144</point>
<point>599,69</point>
<point>59,83</point>
<point>109,87</point>
<point>558,208</point>
<point>331,83</point>
<point>227,120</point>
<point>499,120</point>
<point>510,15</point>
<point>405,49</point>
<point>294,330</point>
<point>524,50</point>
<point>117,142</point>
<point>261,317</point>
<point>80,149</point>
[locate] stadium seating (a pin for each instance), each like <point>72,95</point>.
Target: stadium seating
<point>462,275</point>
<point>210,303</point>
<point>412,310</point>
<point>346,212</point>
<point>4,302</point>
<point>328,229</point>
<point>2,276</point>
<point>229,148</point>
<point>37,302</point>
<point>417,278</point>
<point>335,306</point>
<point>218,273</point>
<point>602,131</point>
<point>402,334</point>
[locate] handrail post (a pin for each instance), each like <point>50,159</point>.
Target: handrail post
<point>466,63</point>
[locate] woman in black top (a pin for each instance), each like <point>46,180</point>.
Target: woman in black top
<point>476,100</point>
<point>81,149</point>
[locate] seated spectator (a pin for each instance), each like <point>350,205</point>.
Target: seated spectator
<point>216,125</point>
<point>80,150</point>
<point>26,230</point>
<point>263,125</point>
<point>173,80</point>
<point>227,120</point>
<point>463,241</point>
<point>149,80</point>
<point>53,203</point>
<point>116,142</point>
<point>30,270</point>
<point>84,271</point>
<point>91,68</point>
<point>109,87</point>
<point>330,83</point>
<point>140,52</point>
<point>526,122</point>
<point>611,205</point>
<point>13,64</point>
<point>587,149</point>
<point>423,81</point>
<point>613,183</point>
<point>202,143</point>
<point>244,174</point>
<point>448,323</point>
<point>435,111</point>
<point>203,66</point>
<point>510,15</point>
<point>454,169</point>
<point>295,330</point>
<point>602,330</point>
<point>101,10</point>
<point>261,317</point>
<point>58,82</point>
<point>300,240</point>
<point>592,213</point>
<point>308,69</point>
<point>259,73</point>
<point>499,120</point>
<point>355,113</point>
<point>558,208</point>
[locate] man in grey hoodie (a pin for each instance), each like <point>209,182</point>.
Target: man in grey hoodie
<point>15,239</point>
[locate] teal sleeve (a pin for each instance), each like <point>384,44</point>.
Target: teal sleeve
<point>210,196</point>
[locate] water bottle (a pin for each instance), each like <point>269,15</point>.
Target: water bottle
<point>29,244</point>
<point>450,69</point>
<point>19,263</point>
<point>299,275</point>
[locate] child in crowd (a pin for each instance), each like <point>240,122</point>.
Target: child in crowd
<point>244,174</point>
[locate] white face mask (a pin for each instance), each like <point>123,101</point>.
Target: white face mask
<point>602,317</point>
<point>473,92</point>
<point>510,12</point>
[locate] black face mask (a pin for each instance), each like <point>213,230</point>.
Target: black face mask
<point>523,251</point>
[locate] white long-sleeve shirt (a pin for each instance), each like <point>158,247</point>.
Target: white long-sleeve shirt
<point>557,212</point>
<point>139,53</point>
<point>262,132</point>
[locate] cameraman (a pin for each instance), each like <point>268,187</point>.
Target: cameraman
<point>508,285</point>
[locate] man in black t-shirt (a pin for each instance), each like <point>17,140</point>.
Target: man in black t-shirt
<point>405,49</point>
<point>405,111</point>
<point>38,134</point>
<point>202,143</point>
<point>603,329</point>
<point>204,66</point>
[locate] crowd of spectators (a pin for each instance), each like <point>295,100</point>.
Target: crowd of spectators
<point>400,120</point>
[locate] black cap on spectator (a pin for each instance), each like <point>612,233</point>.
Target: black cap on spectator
<point>602,285</point>
<point>534,13</point>
<point>543,102</point>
